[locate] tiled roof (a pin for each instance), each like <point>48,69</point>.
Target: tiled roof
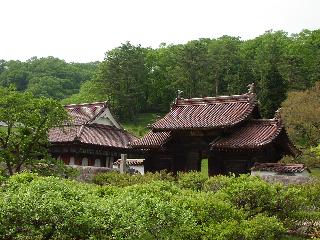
<point>254,134</point>
<point>84,113</point>
<point>207,113</point>
<point>95,134</point>
<point>152,140</point>
<point>279,167</point>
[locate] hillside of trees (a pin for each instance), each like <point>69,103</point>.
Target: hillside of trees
<point>48,77</point>
<point>136,79</point>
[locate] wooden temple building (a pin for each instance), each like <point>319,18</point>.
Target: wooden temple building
<point>228,130</point>
<point>94,137</point>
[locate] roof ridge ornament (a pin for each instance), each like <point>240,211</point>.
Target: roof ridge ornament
<point>179,93</point>
<point>251,88</point>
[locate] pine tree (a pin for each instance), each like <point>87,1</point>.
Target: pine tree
<point>273,90</point>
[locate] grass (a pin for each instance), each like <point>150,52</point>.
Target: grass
<point>204,167</point>
<point>138,126</point>
<point>315,172</point>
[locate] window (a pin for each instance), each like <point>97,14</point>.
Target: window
<point>71,161</point>
<point>97,162</point>
<point>85,161</point>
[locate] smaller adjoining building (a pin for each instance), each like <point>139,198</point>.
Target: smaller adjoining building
<point>93,138</point>
<point>278,169</point>
<point>133,165</point>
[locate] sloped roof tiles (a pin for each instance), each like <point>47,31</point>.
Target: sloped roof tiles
<point>206,113</point>
<point>81,130</point>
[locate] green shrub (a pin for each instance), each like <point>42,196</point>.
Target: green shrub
<point>148,207</point>
<point>206,207</point>
<point>191,180</point>
<point>251,194</point>
<point>115,178</point>
<point>263,227</point>
<point>218,182</point>
<point>257,228</point>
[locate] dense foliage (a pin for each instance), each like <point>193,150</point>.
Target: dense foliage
<point>136,79</point>
<point>155,207</point>
<point>301,112</point>
<point>26,121</point>
<point>47,77</point>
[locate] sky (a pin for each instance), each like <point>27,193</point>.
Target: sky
<point>83,30</point>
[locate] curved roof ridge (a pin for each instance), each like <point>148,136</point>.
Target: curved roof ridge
<point>204,114</point>
<point>85,104</point>
<point>213,100</point>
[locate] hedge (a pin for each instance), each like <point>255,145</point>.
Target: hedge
<point>157,206</point>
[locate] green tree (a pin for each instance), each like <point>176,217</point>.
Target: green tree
<point>195,65</point>
<point>24,138</point>
<point>273,91</point>
<point>302,116</point>
<point>224,63</point>
<point>124,74</point>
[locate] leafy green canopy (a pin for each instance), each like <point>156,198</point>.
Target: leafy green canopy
<point>139,80</point>
<point>48,77</point>
<point>26,121</point>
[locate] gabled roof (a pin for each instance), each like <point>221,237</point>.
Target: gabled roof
<point>86,112</point>
<point>152,140</point>
<point>206,113</point>
<point>95,134</point>
<point>92,123</point>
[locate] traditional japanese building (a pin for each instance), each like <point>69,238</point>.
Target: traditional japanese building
<point>93,138</point>
<point>228,130</point>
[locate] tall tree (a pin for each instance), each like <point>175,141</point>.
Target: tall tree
<point>124,74</point>
<point>194,62</point>
<point>302,116</point>
<point>273,91</point>
<point>24,138</point>
<point>224,63</point>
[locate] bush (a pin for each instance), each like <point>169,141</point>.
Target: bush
<point>251,194</point>
<point>115,178</point>
<point>36,207</point>
<point>218,182</point>
<point>191,180</point>
<point>259,227</point>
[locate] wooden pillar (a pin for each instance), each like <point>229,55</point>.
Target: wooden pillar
<point>123,163</point>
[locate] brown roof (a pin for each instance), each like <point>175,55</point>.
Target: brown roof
<point>254,134</point>
<point>152,140</point>
<point>279,167</point>
<point>207,113</point>
<point>95,134</point>
<point>86,112</point>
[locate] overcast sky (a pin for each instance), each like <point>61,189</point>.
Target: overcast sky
<point>83,30</point>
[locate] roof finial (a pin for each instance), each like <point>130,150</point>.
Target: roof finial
<point>251,88</point>
<point>277,114</point>
<point>179,93</point>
